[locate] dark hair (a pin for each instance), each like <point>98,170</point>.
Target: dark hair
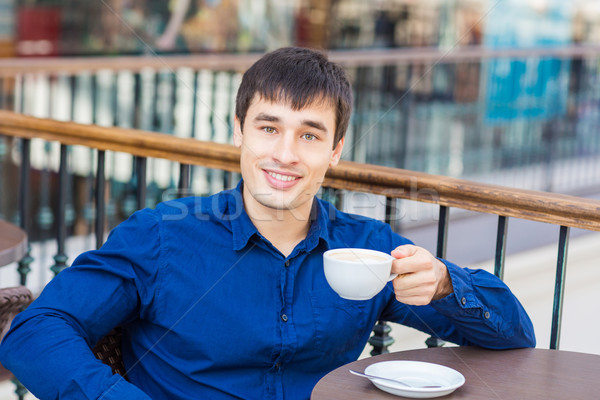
<point>299,77</point>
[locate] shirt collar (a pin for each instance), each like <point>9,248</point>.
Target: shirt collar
<point>319,226</point>
<point>243,228</point>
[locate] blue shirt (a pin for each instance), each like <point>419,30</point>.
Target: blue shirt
<point>211,310</point>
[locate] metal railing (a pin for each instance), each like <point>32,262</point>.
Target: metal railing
<point>470,113</point>
<point>562,210</point>
<point>516,117</point>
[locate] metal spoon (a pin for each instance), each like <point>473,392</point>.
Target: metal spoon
<point>394,380</point>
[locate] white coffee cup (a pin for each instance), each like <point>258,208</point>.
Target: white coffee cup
<point>357,274</point>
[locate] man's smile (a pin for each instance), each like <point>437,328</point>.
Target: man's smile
<point>280,180</point>
<point>282,177</point>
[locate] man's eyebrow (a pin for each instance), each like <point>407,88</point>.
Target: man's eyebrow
<point>315,124</point>
<point>266,117</point>
<point>308,122</point>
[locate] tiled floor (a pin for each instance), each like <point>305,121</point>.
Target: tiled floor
<point>530,274</point>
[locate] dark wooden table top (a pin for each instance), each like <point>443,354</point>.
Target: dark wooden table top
<point>13,243</point>
<point>489,374</point>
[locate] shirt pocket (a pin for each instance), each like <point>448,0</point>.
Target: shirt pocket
<point>341,327</point>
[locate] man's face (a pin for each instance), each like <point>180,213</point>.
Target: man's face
<point>285,153</point>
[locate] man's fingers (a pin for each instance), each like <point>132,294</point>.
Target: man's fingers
<point>405,266</point>
<point>408,264</point>
<point>410,281</point>
<point>406,250</point>
<point>411,292</point>
<point>421,276</point>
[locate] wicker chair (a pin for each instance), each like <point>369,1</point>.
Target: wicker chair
<point>108,350</point>
<point>12,301</point>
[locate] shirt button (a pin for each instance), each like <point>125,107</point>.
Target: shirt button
<point>486,315</point>
<point>463,301</point>
<point>287,263</point>
<point>284,317</point>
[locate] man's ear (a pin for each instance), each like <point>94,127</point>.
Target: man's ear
<point>237,132</point>
<point>337,153</point>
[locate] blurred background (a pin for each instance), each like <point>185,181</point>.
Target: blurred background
<point>498,91</point>
<point>108,27</point>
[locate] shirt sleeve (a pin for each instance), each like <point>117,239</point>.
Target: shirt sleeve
<point>48,346</point>
<point>481,311</point>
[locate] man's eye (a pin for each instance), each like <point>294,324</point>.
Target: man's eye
<point>309,136</point>
<point>269,129</point>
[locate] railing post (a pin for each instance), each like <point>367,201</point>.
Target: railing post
<point>500,247</point>
<point>60,259</point>
<point>559,286</point>
<point>100,206</point>
<point>184,178</point>
<point>433,341</point>
<point>442,241</point>
<point>227,180</point>
<point>24,265</point>
<point>442,232</point>
<point>140,167</point>
<point>381,338</point>
<point>20,391</point>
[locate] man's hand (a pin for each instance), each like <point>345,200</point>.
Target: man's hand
<point>421,277</point>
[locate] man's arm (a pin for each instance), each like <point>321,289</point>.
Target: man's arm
<point>467,307</point>
<point>49,356</point>
<point>48,346</point>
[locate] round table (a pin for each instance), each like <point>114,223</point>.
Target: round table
<point>13,246</point>
<point>489,374</point>
<point>13,243</point>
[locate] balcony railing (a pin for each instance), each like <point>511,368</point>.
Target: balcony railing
<point>520,118</point>
<point>562,210</point>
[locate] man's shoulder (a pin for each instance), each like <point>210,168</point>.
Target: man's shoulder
<point>337,219</point>
<point>201,208</point>
<point>183,205</point>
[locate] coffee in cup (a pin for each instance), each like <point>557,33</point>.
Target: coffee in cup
<point>357,274</point>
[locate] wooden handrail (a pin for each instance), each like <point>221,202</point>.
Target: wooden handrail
<point>392,182</point>
<point>136,142</point>
<point>240,62</point>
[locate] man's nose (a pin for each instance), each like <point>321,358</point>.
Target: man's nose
<point>285,150</point>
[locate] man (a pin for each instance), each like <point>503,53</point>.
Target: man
<point>225,297</point>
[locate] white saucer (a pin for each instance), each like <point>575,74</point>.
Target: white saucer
<point>415,373</point>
